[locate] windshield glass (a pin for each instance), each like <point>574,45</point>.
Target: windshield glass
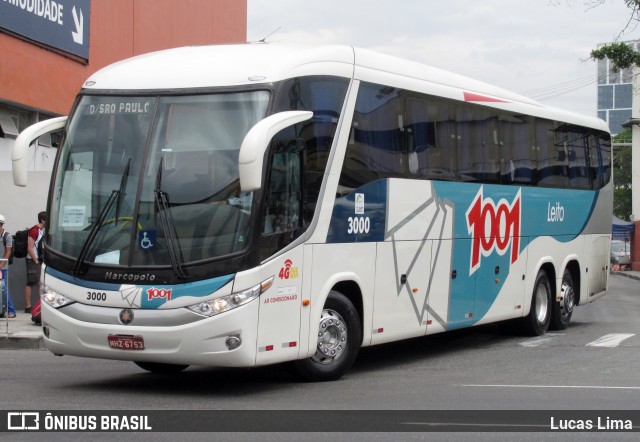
<point>154,180</point>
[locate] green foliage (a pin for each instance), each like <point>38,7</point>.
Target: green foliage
<point>633,4</point>
<point>622,177</point>
<point>620,54</point>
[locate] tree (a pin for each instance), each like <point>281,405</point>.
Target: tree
<point>620,54</point>
<point>622,177</point>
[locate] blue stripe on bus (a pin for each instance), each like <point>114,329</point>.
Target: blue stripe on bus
<point>85,284</point>
<point>559,213</point>
<point>153,296</point>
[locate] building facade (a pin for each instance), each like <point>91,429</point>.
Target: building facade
<point>50,47</point>
<point>615,93</point>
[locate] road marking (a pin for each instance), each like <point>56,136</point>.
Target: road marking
<point>611,340</point>
<point>539,340</point>
<point>587,387</point>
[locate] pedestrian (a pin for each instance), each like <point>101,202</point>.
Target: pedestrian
<point>5,252</point>
<point>34,258</point>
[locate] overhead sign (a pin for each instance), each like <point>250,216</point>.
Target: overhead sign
<point>61,24</point>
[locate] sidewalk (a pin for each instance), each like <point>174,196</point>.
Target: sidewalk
<point>20,333</point>
<point>629,274</point>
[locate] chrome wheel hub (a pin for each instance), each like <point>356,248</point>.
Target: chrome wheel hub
<point>542,303</point>
<point>568,299</point>
<point>332,337</point>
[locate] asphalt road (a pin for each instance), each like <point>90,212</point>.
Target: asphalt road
<point>593,365</point>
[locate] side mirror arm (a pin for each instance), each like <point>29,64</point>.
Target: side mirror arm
<point>19,155</point>
<point>256,143</point>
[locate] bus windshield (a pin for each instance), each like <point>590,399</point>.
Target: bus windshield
<point>145,181</point>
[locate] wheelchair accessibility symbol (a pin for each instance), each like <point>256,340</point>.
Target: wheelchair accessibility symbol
<point>147,239</point>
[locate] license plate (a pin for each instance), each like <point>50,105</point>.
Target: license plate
<point>126,342</point>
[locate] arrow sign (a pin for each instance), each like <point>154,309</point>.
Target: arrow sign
<point>57,24</point>
<point>79,32</point>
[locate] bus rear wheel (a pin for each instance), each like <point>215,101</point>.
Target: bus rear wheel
<point>160,368</point>
<point>563,309</point>
<point>537,321</point>
<point>339,341</point>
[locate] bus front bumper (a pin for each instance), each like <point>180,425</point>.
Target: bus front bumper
<point>203,342</point>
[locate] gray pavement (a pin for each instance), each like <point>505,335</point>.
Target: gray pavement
<point>21,333</point>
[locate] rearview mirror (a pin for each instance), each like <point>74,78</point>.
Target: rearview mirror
<point>19,155</point>
<point>256,142</point>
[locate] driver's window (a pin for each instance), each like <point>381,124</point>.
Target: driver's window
<point>283,205</point>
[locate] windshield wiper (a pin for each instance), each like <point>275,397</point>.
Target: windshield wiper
<point>168,226</point>
<point>115,196</point>
<point>123,184</point>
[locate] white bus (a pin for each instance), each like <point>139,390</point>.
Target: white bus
<point>243,205</point>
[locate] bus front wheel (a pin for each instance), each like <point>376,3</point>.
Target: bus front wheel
<point>537,321</point>
<point>339,341</point>
<point>160,368</point>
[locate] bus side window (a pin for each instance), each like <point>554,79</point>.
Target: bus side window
<point>578,155</point>
<point>600,160</point>
<point>421,116</point>
<point>376,148</point>
<point>518,152</point>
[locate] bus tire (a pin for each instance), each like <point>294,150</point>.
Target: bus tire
<point>562,310</point>
<point>160,368</point>
<point>537,321</point>
<point>339,341</point>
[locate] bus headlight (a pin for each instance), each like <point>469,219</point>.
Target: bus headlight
<point>228,302</point>
<point>53,298</point>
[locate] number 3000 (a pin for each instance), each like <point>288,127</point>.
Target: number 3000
<point>96,296</point>
<point>358,225</point>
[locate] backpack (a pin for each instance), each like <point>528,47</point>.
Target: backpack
<point>20,243</point>
<point>4,240</point>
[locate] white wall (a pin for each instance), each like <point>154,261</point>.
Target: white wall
<point>20,205</point>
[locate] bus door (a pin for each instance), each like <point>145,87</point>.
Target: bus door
<point>490,266</point>
<point>463,286</point>
<point>280,308</point>
<point>401,279</point>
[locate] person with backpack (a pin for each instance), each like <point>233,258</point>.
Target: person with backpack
<point>34,259</point>
<point>5,252</point>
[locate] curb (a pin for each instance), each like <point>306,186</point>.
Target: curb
<point>20,333</point>
<point>627,275</point>
<point>16,342</point>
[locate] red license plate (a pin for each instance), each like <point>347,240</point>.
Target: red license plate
<point>126,342</point>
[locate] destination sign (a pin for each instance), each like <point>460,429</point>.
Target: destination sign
<point>130,106</point>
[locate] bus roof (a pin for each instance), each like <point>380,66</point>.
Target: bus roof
<point>222,65</point>
<point>196,67</point>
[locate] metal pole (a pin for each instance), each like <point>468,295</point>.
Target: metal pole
<point>4,290</point>
<point>635,169</point>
